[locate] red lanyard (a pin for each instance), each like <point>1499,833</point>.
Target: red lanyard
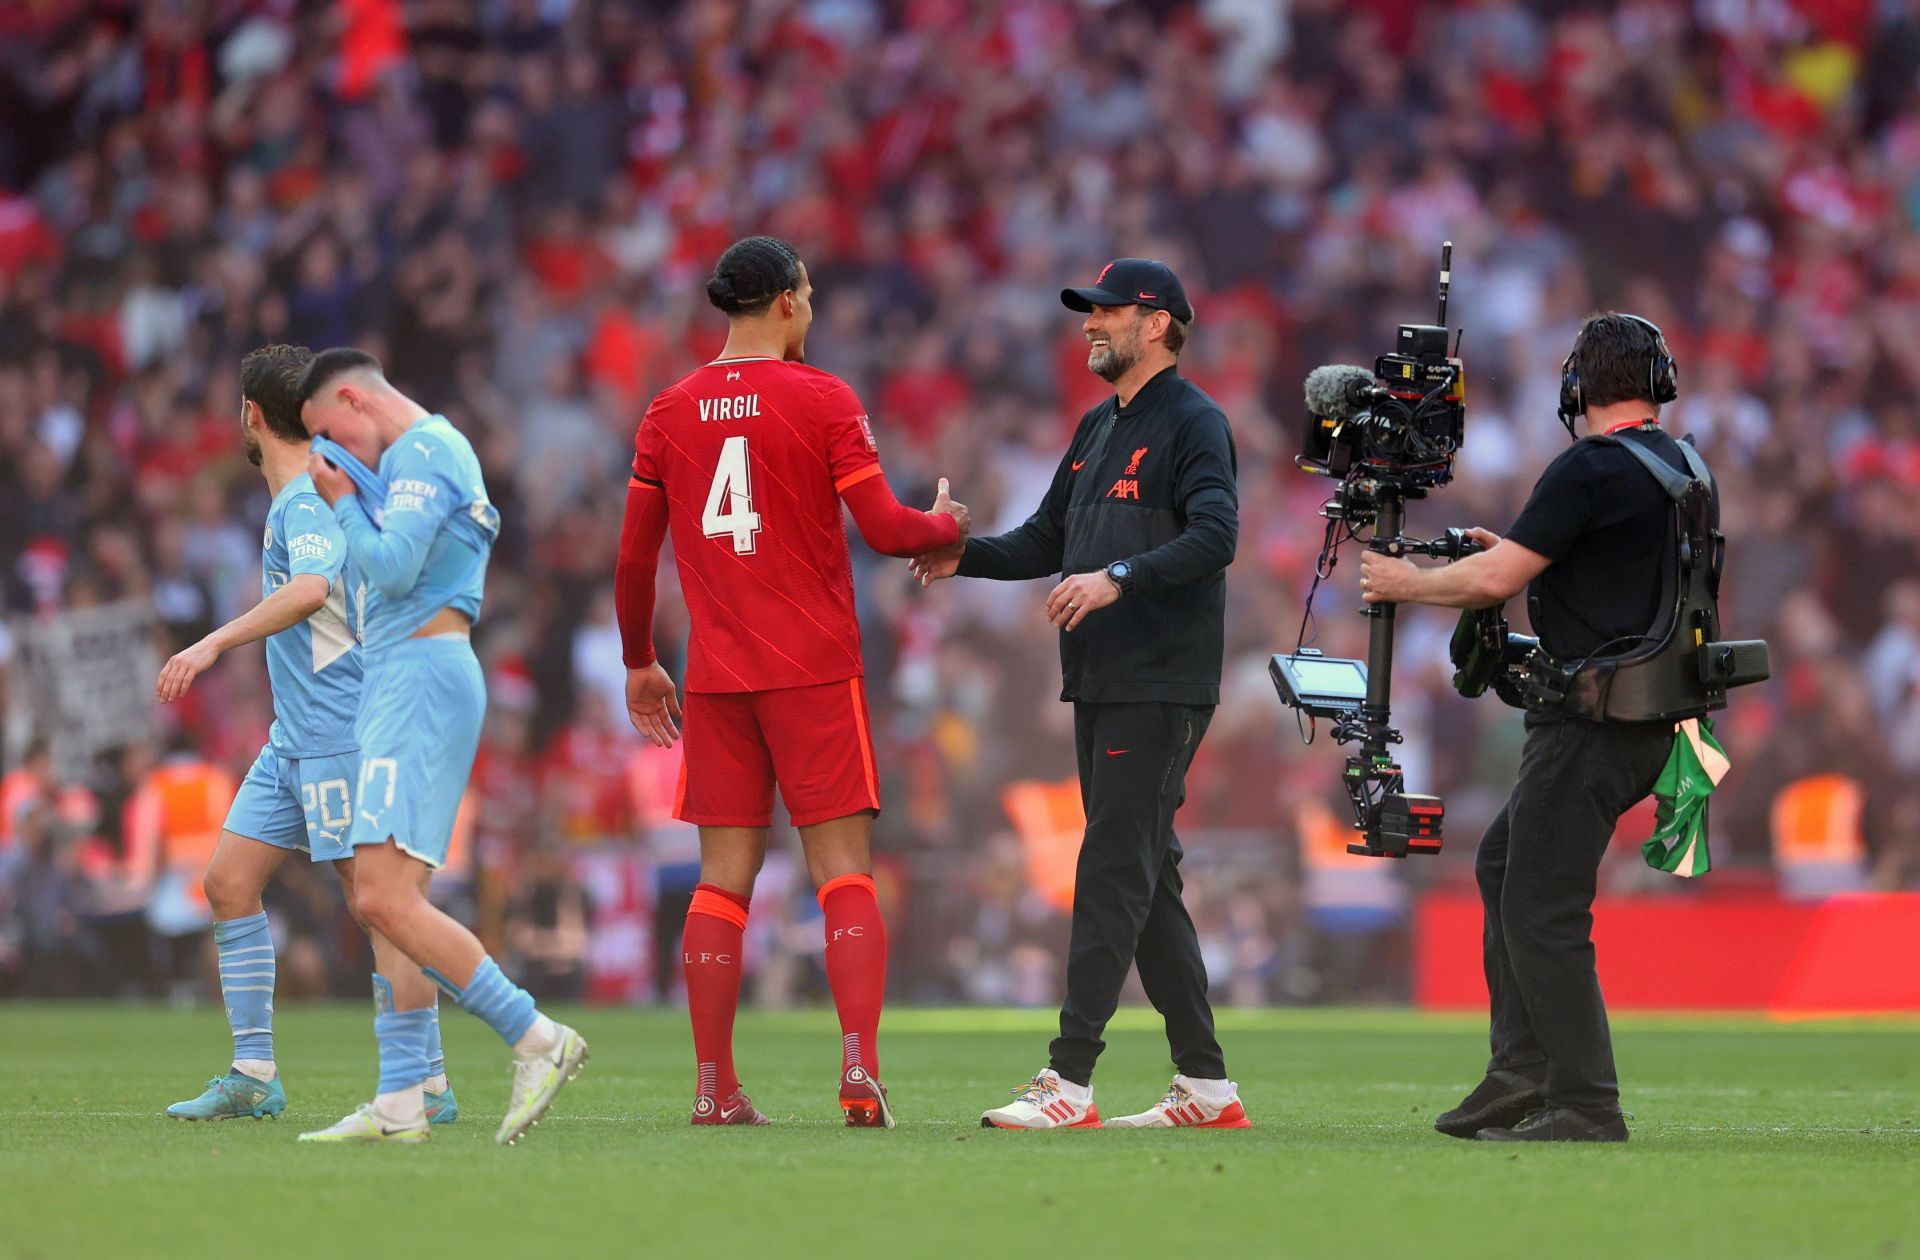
<point>1630,424</point>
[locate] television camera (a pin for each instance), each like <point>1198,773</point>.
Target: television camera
<point>1385,436</point>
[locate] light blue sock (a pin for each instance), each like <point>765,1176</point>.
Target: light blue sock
<point>246,983</point>
<point>383,1005</point>
<point>436,1057</point>
<point>403,1048</point>
<point>507,1008</point>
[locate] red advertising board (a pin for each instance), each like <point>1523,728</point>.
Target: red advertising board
<point>1852,954</point>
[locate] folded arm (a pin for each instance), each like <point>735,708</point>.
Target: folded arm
<point>391,555</point>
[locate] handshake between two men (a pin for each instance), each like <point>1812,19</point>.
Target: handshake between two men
<point>1068,603</point>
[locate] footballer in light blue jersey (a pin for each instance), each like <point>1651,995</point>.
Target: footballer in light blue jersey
<point>298,795</point>
<point>313,665</point>
<point>423,549</point>
<point>418,531</point>
<point>426,547</point>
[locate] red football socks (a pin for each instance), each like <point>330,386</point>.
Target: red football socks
<point>856,966</point>
<point>710,954</point>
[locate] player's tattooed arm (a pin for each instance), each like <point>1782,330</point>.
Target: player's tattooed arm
<point>301,597</point>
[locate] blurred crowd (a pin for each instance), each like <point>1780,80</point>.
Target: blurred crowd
<point>515,203</point>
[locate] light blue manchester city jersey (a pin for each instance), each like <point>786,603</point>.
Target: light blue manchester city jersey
<point>426,547</point>
<point>314,666</point>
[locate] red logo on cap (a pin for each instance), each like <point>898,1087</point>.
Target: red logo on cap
<point>1101,278</point>
<point>1147,297</point>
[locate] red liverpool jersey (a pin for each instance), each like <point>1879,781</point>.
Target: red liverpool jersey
<point>753,455</point>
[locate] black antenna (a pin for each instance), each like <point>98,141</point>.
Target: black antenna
<point>1446,278</point>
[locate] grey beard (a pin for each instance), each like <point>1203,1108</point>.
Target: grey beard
<point>1114,364</point>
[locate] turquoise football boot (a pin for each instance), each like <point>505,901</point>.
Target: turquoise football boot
<point>441,1108</point>
<point>232,1096</point>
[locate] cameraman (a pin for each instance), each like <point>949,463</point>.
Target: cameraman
<point>1589,547</point>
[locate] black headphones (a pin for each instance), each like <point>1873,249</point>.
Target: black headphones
<point>1663,374</point>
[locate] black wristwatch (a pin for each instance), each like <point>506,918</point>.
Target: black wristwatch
<point>1120,573</point>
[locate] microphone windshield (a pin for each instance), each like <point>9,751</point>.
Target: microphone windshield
<point>1326,390</point>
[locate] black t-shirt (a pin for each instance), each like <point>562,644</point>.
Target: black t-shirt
<point>1606,524</point>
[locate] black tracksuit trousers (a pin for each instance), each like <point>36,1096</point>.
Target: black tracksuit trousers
<point>1126,897</point>
<point>1537,869</point>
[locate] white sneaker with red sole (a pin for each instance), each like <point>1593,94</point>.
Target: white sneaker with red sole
<point>1042,1105</point>
<point>1186,1108</point>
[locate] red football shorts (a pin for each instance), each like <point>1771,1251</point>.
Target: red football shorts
<point>813,741</point>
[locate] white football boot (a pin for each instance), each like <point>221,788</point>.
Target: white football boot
<point>366,1123</point>
<point>537,1079</point>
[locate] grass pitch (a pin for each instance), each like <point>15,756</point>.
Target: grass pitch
<point>1750,1139</point>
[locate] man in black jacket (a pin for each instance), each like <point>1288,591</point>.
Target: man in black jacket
<point>1141,521</point>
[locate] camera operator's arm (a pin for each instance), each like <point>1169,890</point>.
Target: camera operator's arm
<point>1480,581</point>
<point>1560,510</point>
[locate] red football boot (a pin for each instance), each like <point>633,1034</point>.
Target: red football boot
<point>738,1109</point>
<point>863,1100</point>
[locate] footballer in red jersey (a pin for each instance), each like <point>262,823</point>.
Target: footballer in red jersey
<point>747,462</point>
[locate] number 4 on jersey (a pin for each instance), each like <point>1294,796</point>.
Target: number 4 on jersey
<point>730,500</point>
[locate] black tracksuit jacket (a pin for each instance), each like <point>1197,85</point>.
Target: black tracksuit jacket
<point>1152,483</point>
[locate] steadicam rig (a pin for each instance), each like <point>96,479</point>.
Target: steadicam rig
<point>1355,698</point>
<point>1388,436</point>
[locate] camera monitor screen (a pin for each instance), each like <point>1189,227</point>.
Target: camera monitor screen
<point>1321,685</point>
<point>1335,677</point>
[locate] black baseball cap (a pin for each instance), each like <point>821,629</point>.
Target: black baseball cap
<point>1133,282</point>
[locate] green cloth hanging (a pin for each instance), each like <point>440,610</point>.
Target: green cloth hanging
<point>1693,770</point>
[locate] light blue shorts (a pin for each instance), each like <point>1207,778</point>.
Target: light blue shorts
<point>421,705</point>
<point>304,803</point>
